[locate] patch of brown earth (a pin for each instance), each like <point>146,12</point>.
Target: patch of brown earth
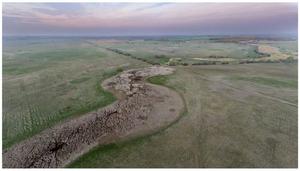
<point>142,109</point>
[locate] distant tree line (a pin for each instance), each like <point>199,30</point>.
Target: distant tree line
<point>217,56</point>
<point>287,60</point>
<point>132,56</point>
<point>179,62</point>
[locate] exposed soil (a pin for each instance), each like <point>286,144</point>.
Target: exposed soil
<point>142,108</point>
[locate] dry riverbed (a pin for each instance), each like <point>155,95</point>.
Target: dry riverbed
<point>141,109</point>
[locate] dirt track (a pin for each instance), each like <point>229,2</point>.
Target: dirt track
<point>142,108</point>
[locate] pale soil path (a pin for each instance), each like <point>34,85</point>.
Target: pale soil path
<point>141,109</point>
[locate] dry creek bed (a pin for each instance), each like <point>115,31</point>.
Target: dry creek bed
<point>141,109</point>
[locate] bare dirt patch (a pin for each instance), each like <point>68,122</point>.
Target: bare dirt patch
<point>142,109</point>
<point>273,51</point>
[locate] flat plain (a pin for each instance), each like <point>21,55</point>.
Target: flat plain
<point>241,97</point>
<point>48,80</point>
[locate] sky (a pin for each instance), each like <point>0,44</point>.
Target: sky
<point>131,19</point>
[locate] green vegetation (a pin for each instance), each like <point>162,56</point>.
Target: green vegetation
<point>226,126</point>
<point>35,61</point>
<point>88,160</point>
<point>230,123</point>
<point>159,80</point>
<point>44,85</point>
<point>270,81</point>
<point>110,73</point>
<point>104,151</point>
<point>162,59</point>
<point>100,98</point>
<point>153,60</point>
<point>201,51</point>
<point>80,80</point>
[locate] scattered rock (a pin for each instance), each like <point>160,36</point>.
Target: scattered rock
<point>143,110</point>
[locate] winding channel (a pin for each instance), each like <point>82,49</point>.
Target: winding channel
<point>141,109</point>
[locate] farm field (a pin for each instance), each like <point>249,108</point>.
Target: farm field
<point>240,95</point>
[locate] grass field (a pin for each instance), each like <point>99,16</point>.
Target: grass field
<point>230,123</point>
<point>43,85</point>
<point>238,115</point>
<point>200,50</point>
<point>271,81</point>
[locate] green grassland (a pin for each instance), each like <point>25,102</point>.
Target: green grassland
<point>43,85</point>
<point>196,51</point>
<point>187,50</point>
<point>270,81</point>
<point>238,115</point>
<point>229,123</point>
<point>159,80</point>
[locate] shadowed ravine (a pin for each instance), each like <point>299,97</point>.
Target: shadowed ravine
<point>141,109</point>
